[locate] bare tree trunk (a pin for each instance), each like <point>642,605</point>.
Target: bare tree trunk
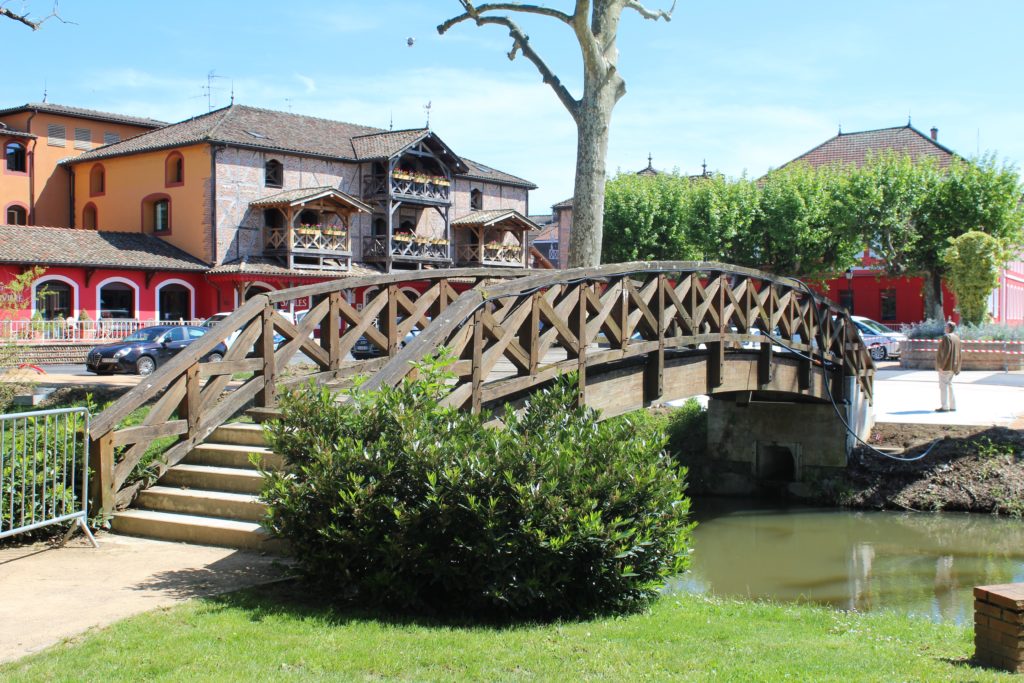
<point>932,289</point>
<point>588,204</point>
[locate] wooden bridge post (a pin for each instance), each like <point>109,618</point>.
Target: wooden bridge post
<point>478,361</point>
<point>189,406</point>
<point>654,370</point>
<point>102,494</point>
<point>579,328</point>
<point>267,396</point>
<point>330,333</point>
<point>391,321</point>
<point>528,337</point>
<point>716,350</point>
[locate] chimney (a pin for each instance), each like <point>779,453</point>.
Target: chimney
<point>935,133</point>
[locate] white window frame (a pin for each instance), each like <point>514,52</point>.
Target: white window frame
<point>175,281</point>
<point>122,280</point>
<point>60,278</point>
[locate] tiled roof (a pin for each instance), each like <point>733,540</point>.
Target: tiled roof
<point>564,204</point>
<point>262,266</point>
<point>478,171</point>
<point>249,127</point>
<point>853,148</point>
<point>548,233</point>
<point>386,144</point>
<point>302,195</point>
<point>91,114</point>
<point>493,217</point>
<point>286,132</point>
<point>89,248</point>
<point>8,133</point>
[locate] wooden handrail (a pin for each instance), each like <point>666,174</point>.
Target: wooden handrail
<point>202,395</point>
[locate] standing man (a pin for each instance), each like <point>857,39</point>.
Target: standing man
<point>947,362</point>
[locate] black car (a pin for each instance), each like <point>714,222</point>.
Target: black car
<point>144,351</point>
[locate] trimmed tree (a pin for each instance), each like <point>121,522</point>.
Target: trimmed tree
<point>972,263</point>
<point>595,25</point>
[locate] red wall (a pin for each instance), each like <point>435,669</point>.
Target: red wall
<point>868,286</point>
<point>86,298</point>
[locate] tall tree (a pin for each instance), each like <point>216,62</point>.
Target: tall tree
<point>595,24</point>
<point>972,261</point>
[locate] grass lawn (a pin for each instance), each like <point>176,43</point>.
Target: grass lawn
<point>276,634</point>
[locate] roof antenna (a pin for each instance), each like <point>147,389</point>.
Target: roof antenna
<point>232,91</point>
<point>427,108</point>
<point>288,103</point>
<point>391,120</point>
<point>44,91</point>
<point>704,167</point>
<point>908,119</point>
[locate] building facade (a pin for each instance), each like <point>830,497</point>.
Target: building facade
<point>239,201</point>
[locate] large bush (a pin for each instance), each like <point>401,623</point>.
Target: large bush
<point>392,500</point>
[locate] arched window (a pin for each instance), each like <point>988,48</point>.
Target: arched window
<point>89,217</point>
<point>476,200</point>
<point>174,170</point>
<point>156,214</point>
<point>309,217</point>
<point>54,299</point>
<point>175,301</point>
<point>253,290</point>
<point>15,153</point>
<point>273,173</point>
<point>17,215</point>
<point>97,180</point>
<point>116,298</point>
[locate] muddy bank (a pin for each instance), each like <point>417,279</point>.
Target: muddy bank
<point>968,469</point>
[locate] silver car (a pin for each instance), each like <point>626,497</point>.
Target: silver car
<point>883,342</point>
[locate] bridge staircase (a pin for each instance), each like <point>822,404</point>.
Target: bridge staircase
<point>636,334</point>
<point>210,497</point>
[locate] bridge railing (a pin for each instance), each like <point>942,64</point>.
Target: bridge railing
<point>516,335</point>
<point>187,398</point>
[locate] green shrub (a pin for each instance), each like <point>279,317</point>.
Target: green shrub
<point>687,431</point>
<point>393,501</point>
<point>933,329</point>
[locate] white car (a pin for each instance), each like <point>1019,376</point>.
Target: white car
<point>883,342</point>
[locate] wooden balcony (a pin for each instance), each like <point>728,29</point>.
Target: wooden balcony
<point>408,187</point>
<point>504,255</point>
<point>412,249</point>
<point>313,247</point>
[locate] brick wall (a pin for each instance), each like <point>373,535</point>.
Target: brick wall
<point>999,626</point>
<point>53,353</point>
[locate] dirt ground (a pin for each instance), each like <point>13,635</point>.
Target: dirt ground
<point>970,469</point>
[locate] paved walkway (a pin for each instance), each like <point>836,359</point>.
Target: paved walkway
<point>50,594</point>
<point>982,397</point>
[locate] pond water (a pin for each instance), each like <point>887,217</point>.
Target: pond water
<point>916,563</point>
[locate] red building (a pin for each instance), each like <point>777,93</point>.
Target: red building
<point>865,290</point>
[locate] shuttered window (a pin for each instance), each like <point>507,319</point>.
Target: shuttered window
<point>110,138</point>
<point>83,138</point>
<point>56,135</point>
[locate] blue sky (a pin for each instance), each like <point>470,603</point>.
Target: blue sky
<point>746,85</point>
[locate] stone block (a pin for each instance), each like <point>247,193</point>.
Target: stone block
<point>999,626</point>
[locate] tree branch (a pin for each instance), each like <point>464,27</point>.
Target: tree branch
<point>651,14</point>
<point>520,41</point>
<point>33,24</point>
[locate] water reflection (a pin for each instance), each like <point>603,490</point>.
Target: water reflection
<point>923,564</point>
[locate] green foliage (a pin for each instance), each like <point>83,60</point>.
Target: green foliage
<point>391,499</point>
<point>687,431</point>
<point>972,263</point>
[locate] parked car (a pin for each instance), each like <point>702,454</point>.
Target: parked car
<point>364,350</point>
<point>145,350</point>
<point>278,338</point>
<point>883,342</point>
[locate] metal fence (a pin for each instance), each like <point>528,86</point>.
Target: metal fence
<point>72,330</point>
<point>44,470</point>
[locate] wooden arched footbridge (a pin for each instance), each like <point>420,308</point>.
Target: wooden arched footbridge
<point>637,334</point>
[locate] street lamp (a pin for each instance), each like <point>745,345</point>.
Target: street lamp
<point>849,288</point>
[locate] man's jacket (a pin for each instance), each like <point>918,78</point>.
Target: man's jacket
<point>948,357</point>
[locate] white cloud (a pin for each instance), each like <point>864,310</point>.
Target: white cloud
<point>307,82</point>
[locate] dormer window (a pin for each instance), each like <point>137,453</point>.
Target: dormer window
<point>273,173</point>
<point>476,200</point>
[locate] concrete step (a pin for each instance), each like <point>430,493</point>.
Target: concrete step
<point>234,456</point>
<point>194,529</point>
<point>243,507</point>
<point>240,434</point>
<point>264,414</point>
<point>209,478</point>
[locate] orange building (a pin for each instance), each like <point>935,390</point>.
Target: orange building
<point>34,189</point>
